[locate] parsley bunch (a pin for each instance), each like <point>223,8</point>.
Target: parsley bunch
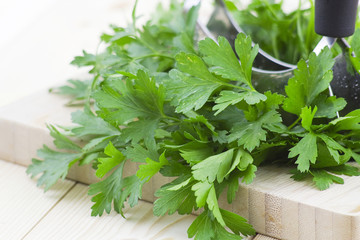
<point>187,109</point>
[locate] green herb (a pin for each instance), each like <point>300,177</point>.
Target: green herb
<point>188,110</point>
<point>286,36</point>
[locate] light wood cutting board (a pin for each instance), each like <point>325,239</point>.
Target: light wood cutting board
<point>276,205</point>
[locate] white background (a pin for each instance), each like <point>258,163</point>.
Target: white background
<point>39,38</point>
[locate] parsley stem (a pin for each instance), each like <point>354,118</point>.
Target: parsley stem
<point>236,86</point>
<point>171,118</point>
<point>133,15</point>
<point>275,15</point>
<point>350,135</point>
<point>148,45</point>
<point>153,55</point>
<point>294,123</point>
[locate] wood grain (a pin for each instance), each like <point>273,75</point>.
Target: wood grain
<point>262,237</point>
<point>296,210</point>
<point>22,204</point>
<point>70,219</point>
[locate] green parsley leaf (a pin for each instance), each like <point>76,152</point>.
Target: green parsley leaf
<point>307,116</point>
<point>138,153</point>
<point>201,190</point>
<point>236,223</point>
<point>249,174</point>
<point>206,228</point>
<point>350,122</point>
<point>222,59</point>
<point>61,141</point>
<point>54,166</point>
<point>76,89</point>
<point>310,79</point>
<point>89,124</point>
<point>115,190</point>
<point>327,107</point>
<point>205,194</point>
<point>171,199</point>
<point>122,102</point>
<point>247,54</point>
<point>195,152</point>
<point>306,148</point>
<point>323,179</point>
<point>139,130</point>
<point>202,228</point>
<point>190,92</point>
<point>355,47</point>
<point>106,164</point>
<point>214,167</point>
<point>250,134</point>
<point>344,169</point>
<point>228,98</point>
<point>233,186</point>
<point>148,170</point>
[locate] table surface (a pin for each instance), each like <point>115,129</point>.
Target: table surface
<point>39,39</point>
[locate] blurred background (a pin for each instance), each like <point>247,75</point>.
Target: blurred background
<point>39,38</point>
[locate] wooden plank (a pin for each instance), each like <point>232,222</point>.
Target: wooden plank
<point>263,237</point>
<point>18,127</point>
<point>70,219</point>
<point>22,204</point>
<point>276,205</point>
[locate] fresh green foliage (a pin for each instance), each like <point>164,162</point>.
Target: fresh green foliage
<point>106,164</point>
<point>115,190</point>
<point>355,48</point>
<point>151,167</point>
<point>188,110</point>
<point>76,89</point>
<point>205,227</point>
<point>288,36</point>
<point>309,81</point>
<point>176,196</point>
<point>55,165</point>
<point>323,178</point>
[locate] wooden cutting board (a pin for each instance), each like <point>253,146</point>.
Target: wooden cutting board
<point>276,205</point>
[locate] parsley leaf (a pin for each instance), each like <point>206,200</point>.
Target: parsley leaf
<point>231,98</point>
<point>310,79</point>
<point>148,170</point>
<point>323,179</point>
<point>115,190</point>
<point>250,134</point>
<point>247,54</point>
<point>54,166</point>
<point>223,59</point>
<point>121,102</point>
<point>89,124</point>
<point>76,89</point>
<point>306,149</point>
<point>191,92</point>
<point>106,164</point>
<point>214,167</point>
<point>206,228</point>
<point>172,197</point>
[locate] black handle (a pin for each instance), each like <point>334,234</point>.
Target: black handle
<point>335,18</point>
